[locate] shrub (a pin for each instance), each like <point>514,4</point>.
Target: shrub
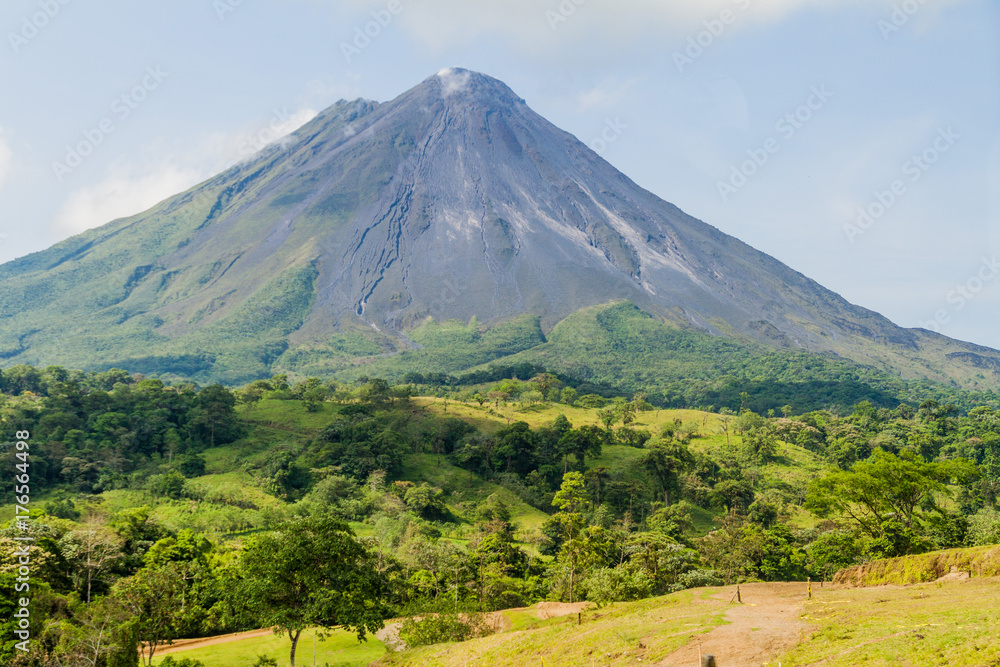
<point>984,528</point>
<point>169,485</point>
<point>439,628</point>
<point>591,401</point>
<point>171,661</point>
<point>697,579</point>
<point>619,584</point>
<point>191,465</point>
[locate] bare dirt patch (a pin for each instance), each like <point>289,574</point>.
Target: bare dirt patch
<point>189,644</point>
<point>767,624</point>
<point>547,610</point>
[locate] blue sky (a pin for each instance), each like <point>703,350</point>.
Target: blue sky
<point>858,141</point>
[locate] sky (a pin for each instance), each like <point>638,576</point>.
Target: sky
<point>857,141</point>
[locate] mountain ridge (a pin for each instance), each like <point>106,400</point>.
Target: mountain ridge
<point>453,201</point>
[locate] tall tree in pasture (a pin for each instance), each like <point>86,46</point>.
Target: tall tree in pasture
<point>311,573</point>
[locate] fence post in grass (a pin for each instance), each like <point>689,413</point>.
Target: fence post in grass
<point>810,583</point>
<point>579,618</point>
<point>708,661</point>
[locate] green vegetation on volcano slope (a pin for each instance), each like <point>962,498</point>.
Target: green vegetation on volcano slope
<point>620,349</point>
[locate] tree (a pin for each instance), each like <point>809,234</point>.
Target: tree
<point>580,442</point>
<point>666,462</point>
<point>516,443</point>
<point>94,550</point>
<point>734,494</point>
<point>100,636</point>
<point>571,500</point>
<point>154,599</point>
<point>725,417</point>
<point>426,502</point>
<point>663,559</point>
<point>568,395</point>
<point>214,416</point>
<point>311,573</point>
<point>883,495</point>
<point>608,416</point>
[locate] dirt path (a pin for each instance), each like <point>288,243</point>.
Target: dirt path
<point>767,624</point>
<point>189,644</point>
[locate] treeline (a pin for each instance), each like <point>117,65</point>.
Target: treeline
<point>91,431</point>
<point>765,382</point>
<point>670,512</point>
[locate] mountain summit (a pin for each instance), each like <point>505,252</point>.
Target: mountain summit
<point>453,201</point>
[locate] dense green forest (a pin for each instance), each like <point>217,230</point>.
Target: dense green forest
<point>618,349</point>
<point>160,512</point>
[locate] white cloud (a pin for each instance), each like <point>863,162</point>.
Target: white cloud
<point>6,159</point>
<point>226,149</point>
<point>124,192</point>
<point>548,25</point>
<point>130,188</point>
<point>453,81</point>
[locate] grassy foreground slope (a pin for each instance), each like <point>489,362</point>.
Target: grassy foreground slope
<point>339,648</point>
<point>622,634</point>
<point>944,623</point>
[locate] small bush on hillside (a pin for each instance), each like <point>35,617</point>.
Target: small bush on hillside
<point>697,579</point>
<point>171,661</point>
<point>984,528</point>
<point>440,628</point>
<point>618,584</point>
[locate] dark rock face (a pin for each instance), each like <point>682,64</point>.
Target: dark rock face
<point>452,201</point>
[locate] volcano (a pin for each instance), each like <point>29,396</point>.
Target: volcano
<point>454,201</point>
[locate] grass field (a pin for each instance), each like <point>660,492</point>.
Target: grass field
<point>952,623</point>
<point>340,649</point>
<point>632,633</point>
